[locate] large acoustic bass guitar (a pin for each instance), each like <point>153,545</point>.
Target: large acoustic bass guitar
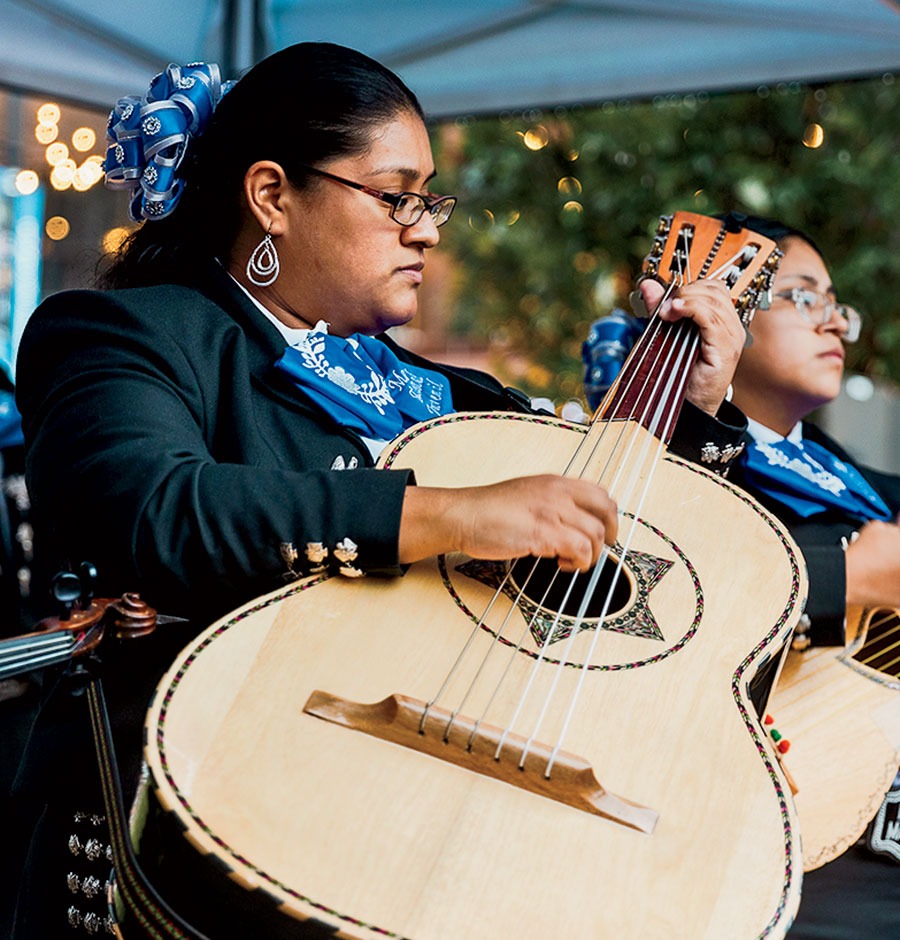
<point>840,709</point>
<point>480,750</point>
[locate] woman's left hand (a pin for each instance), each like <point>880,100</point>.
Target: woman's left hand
<point>722,335</point>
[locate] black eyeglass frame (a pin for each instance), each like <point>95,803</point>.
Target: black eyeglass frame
<point>440,208</point>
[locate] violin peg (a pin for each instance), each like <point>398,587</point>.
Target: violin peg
<point>87,573</point>
<point>66,590</point>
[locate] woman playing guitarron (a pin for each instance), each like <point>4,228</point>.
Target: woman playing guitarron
<point>206,425</point>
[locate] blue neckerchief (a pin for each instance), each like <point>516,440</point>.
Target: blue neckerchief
<point>362,385</point>
<point>809,479</point>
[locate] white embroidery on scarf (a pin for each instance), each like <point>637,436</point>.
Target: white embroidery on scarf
<point>821,477</point>
<point>376,393</point>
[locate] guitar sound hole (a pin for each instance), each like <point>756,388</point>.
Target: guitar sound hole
<point>546,586</point>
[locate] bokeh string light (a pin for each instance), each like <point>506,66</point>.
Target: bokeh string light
<point>65,170</point>
<point>536,134</point>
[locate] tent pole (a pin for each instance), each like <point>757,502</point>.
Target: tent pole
<point>260,31</point>
<point>230,27</point>
<point>244,35</point>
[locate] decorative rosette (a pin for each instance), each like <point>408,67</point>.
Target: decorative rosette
<point>147,138</point>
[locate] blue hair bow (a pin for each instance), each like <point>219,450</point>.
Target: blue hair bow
<point>147,138</point>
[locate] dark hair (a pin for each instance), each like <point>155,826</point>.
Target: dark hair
<point>770,228</point>
<point>308,103</point>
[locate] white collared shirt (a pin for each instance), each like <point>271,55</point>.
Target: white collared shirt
<point>763,435</point>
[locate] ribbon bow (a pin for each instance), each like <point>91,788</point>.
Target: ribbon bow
<point>605,350</point>
<point>148,137</point>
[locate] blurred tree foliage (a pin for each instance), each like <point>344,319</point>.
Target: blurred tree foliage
<point>557,207</point>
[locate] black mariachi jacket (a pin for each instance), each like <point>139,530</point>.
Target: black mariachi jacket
<point>164,446</point>
<point>820,540</point>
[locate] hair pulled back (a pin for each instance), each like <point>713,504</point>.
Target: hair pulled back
<point>308,103</point>
<point>769,228</point>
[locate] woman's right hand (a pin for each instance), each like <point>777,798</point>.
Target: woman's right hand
<point>546,516</point>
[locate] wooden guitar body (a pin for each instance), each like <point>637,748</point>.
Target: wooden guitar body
<point>375,835</point>
<point>840,708</point>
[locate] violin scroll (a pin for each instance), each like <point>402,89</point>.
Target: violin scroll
<point>80,626</point>
<point>135,616</point>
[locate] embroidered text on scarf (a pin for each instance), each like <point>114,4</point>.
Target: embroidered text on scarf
<point>362,385</point>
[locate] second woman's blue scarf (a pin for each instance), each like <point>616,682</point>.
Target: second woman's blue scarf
<point>809,479</point>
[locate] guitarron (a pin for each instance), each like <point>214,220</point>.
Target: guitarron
<point>840,708</point>
<point>480,751</point>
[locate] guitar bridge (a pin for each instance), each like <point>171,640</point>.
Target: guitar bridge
<point>474,746</point>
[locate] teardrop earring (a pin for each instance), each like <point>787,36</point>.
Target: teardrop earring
<point>264,266</point>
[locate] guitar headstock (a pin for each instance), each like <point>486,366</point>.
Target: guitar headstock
<point>688,247</point>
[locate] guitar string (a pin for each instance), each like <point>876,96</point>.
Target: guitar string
<point>589,657</point>
<point>686,348</point>
<point>552,629</point>
<point>661,410</point>
<point>23,655</point>
<point>742,254</point>
<point>60,643</point>
<point>528,624</point>
<point>565,654</point>
<point>651,333</point>
<point>576,627</point>
<point>893,644</point>
<point>871,624</point>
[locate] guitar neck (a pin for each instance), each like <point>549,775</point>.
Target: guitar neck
<point>650,388</point>
<point>688,247</point>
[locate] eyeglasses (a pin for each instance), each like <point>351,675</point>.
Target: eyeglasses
<point>406,208</point>
<point>818,309</point>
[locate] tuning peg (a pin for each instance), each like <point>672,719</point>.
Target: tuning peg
<point>87,573</point>
<point>66,590</point>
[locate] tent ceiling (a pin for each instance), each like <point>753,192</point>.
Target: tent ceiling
<point>461,56</point>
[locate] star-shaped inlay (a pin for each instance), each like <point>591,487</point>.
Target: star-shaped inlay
<point>635,619</point>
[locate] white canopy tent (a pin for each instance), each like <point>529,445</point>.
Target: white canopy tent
<point>459,56</point>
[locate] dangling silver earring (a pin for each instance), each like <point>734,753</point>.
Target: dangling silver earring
<point>264,266</point>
